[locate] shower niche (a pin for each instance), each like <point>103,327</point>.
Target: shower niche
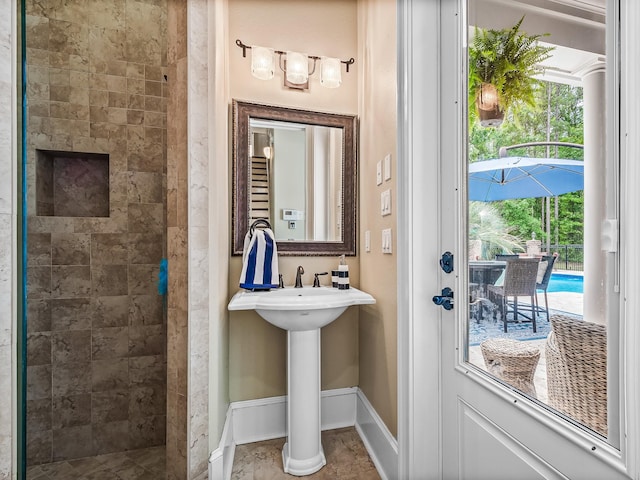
<point>72,184</point>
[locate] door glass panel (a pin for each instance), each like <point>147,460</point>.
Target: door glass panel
<point>538,183</point>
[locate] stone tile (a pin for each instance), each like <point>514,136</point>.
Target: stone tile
<point>147,431</point>
<point>145,187</point>
<point>81,185</point>
<point>150,369</point>
<point>109,249</point>
<point>146,218</point>
<point>109,406</point>
<point>110,311</point>
<point>36,473</point>
<point>111,342</point>
<point>147,340</point>
<point>145,248</point>
<point>72,442</point>
<point>38,282</point>
<point>146,310</point>
<point>39,348</point>
<point>71,410</point>
<point>86,465</point>
<point>111,437</point>
<point>38,315</point>
<point>70,248</point>
<point>72,346</point>
<point>346,459</point>
<point>39,249</point>
<point>71,379</point>
<point>39,447</point>
<point>38,382</point>
<point>38,415</point>
<point>143,279</point>
<point>147,400</point>
<point>70,281</point>
<point>70,314</point>
<point>112,374</point>
<point>59,470</point>
<point>135,472</point>
<point>109,280</point>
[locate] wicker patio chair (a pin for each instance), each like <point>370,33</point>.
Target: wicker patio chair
<point>545,270</point>
<point>576,356</point>
<point>513,361</point>
<point>519,281</point>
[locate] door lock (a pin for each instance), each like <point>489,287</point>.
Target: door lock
<point>445,300</point>
<point>446,262</point>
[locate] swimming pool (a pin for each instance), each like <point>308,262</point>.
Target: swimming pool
<point>562,282</point>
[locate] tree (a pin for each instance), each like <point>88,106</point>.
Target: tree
<point>565,105</point>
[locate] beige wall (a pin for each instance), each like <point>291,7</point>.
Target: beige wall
<point>257,350</point>
<point>378,323</point>
<point>360,347</point>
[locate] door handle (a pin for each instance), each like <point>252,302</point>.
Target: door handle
<point>445,300</point>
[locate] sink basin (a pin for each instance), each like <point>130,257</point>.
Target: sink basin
<point>300,309</point>
<point>302,312</point>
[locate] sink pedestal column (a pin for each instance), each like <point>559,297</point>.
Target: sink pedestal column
<point>303,453</point>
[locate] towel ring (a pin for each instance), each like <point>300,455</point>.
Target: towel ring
<point>260,221</point>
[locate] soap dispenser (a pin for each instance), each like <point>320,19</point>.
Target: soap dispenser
<point>343,274</point>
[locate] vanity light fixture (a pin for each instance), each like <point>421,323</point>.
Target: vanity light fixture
<point>262,64</point>
<point>295,66</point>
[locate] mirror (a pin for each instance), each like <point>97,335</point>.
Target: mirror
<point>297,169</point>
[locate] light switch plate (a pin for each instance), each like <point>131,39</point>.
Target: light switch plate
<point>387,167</point>
<point>379,173</point>
<point>385,203</point>
<point>367,241</point>
<point>386,241</point>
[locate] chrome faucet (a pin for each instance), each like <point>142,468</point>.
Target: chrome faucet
<point>299,273</point>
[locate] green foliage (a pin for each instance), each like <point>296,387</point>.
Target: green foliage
<point>564,103</point>
<point>488,227</point>
<point>508,59</point>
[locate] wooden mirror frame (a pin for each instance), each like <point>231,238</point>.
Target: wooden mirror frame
<point>242,113</point>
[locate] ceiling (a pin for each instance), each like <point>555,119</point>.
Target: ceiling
<point>576,28</point>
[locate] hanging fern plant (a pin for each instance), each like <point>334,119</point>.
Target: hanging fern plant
<point>502,64</point>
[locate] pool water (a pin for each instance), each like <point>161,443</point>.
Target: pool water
<point>561,282</point>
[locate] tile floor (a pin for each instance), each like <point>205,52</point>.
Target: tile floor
<point>143,464</point>
<point>347,459</point>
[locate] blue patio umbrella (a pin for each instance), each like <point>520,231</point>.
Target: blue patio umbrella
<point>524,177</point>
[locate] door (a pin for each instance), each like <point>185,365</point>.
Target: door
<point>458,416</point>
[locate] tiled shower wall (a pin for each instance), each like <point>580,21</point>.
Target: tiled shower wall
<point>96,342</point>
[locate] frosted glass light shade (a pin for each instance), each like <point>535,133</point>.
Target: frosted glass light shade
<point>330,72</point>
<point>297,68</point>
<point>262,63</point>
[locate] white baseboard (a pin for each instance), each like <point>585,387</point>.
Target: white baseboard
<point>377,439</point>
<point>221,459</point>
<point>264,419</point>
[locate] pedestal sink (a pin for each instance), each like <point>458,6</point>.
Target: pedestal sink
<point>302,312</point>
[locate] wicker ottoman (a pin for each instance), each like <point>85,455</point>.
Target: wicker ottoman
<point>513,361</point>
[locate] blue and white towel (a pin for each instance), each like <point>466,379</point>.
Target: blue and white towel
<point>259,260</point>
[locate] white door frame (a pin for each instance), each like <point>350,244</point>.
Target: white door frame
<point>419,322</point>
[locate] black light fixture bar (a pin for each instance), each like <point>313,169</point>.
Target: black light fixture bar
<point>315,58</point>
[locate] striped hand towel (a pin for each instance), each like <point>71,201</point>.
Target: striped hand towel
<point>259,260</point>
